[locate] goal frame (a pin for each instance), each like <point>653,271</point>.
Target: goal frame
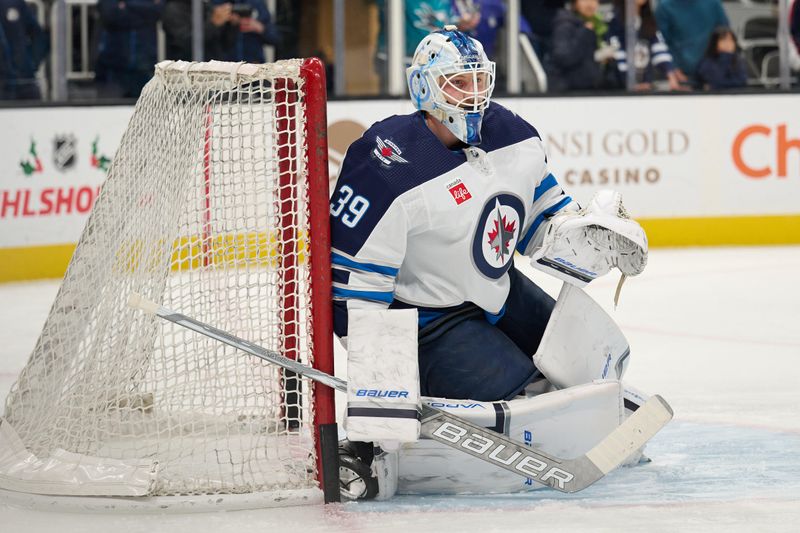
<point>301,156</point>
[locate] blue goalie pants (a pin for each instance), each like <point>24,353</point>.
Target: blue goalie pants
<point>463,355</point>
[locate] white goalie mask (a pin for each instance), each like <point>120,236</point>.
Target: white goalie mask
<point>451,78</point>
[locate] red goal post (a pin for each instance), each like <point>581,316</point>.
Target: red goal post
<point>316,133</point>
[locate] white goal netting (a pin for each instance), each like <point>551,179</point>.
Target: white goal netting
<point>204,212</point>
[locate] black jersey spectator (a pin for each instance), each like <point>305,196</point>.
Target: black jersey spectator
<point>255,29</point>
<point>652,57</point>
<point>218,33</point>
<point>722,66</point>
<point>541,15</point>
<point>22,48</point>
<point>128,46</point>
<point>578,32</point>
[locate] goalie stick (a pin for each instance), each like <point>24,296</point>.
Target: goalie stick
<point>565,475</point>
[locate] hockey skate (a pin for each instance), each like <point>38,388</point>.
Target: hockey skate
<point>356,481</point>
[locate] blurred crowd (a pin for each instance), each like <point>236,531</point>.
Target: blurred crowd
<point>125,38</point>
<point>581,44</point>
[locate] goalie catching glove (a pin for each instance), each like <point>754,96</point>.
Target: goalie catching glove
<point>581,246</point>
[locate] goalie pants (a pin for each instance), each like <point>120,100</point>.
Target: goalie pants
<point>462,355</point>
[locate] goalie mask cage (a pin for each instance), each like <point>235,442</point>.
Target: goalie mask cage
<point>217,204</point>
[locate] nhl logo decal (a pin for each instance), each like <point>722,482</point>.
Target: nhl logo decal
<point>387,152</point>
<point>64,151</point>
<point>497,234</point>
<point>459,191</point>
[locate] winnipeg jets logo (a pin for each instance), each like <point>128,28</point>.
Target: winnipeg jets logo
<point>496,234</point>
<point>501,236</point>
<point>387,152</point>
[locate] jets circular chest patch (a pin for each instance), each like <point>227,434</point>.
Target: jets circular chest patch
<point>497,234</point>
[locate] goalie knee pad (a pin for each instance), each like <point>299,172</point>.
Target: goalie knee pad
<point>581,342</point>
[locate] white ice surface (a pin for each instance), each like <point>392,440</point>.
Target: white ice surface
<point>715,331</point>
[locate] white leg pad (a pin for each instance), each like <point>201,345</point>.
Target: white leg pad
<point>383,399</point>
<point>565,423</point>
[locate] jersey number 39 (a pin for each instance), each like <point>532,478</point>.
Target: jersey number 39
<point>356,207</point>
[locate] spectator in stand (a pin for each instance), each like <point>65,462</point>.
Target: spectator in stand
<point>491,16</point>
<point>128,46</point>
<point>422,18</point>
<point>578,53</point>
<point>722,67</point>
<point>652,57</point>
<point>255,30</point>
<point>218,32</point>
<point>686,26</point>
<point>466,14</point>
<point>541,15</point>
<point>23,45</point>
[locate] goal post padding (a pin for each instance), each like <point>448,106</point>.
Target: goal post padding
<point>216,202</point>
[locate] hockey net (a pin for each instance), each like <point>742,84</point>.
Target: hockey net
<point>209,208</point>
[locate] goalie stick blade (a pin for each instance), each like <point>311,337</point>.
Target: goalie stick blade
<point>631,435</point>
<point>564,475</point>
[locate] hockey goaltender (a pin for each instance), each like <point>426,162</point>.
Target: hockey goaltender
<point>426,216</point>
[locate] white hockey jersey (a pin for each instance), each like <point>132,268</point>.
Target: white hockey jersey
<point>415,224</point>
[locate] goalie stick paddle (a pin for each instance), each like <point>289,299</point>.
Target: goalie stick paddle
<point>565,475</point>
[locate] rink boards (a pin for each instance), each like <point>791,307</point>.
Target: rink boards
<point>694,169</point>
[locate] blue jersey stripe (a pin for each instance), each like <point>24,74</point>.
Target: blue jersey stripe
<point>341,260</point>
<point>364,295</point>
<point>538,222</point>
<point>492,318</point>
<point>548,183</point>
